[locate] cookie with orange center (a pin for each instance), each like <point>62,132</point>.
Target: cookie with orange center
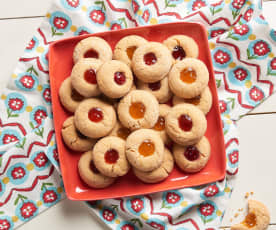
<point>120,131</point>
<point>160,125</point>
<point>185,124</point>
<point>181,47</point>
<point>73,138</point>
<point>114,79</point>
<point>110,156</point>
<point>145,150</point>
<point>159,89</point>
<point>126,47</point>
<point>188,78</point>
<point>159,174</point>
<point>92,47</point>
<point>94,118</point>
<point>138,109</point>
<point>203,101</point>
<point>90,174</point>
<point>84,78</point>
<point>69,97</point>
<point>151,62</point>
<point>192,158</point>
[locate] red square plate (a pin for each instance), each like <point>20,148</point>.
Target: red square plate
<point>61,64</point>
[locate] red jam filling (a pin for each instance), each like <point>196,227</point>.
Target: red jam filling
<point>111,156</point>
<point>185,122</point>
<point>91,54</point>
<point>93,168</point>
<point>191,153</point>
<point>150,58</point>
<point>178,53</point>
<point>119,78</point>
<point>90,76</point>
<point>95,114</point>
<point>155,86</point>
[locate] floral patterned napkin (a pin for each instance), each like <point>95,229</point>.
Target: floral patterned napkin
<point>243,47</point>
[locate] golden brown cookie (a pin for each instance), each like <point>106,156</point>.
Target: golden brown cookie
<point>188,78</point>
<point>192,158</point>
<point>158,174</point>
<point>145,150</point>
<point>114,79</point>
<point>185,124</point>
<point>258,217</point>
<point>120,131</point>
<point>95,118</point>
<point>125,48</point>
<point>181,47</point>
<point>159,89</point>
<point>69,97</point>
<point>73,138</point>
<point>109,155</point>
<point>202,101</point>
<point>84,78</point>
<point>138,109</point>
<point>90,174</point>
<point>151,62</point>
<point>92,47</point>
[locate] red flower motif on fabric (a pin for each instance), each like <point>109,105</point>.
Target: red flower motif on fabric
<point>135,6</point>
<point>82,32</point>
<point>172,197</point>
<point>41,159</point>
<point>240,74</point>
<point>215,33</point>
<point>137,205</point>
<point>27,81</point>
<point>198,4</point>
<point>39,116</point>
<point>211,190</point>
<point>261,48</point>
<point>5,224</point>
<point>9,138</point>
<point>222,106</point>
<point>217,3</point>
<point>97,16</point>
<point>60,23</point>
<point>49,196</point>
<point>127,227</point>
<point>248,15</point>
<point>15,104</point>
<point>234,157</point>
<point>146,15</point>
<point>241,29</point>
<point>238,4</point>
<point>221,57</point>
<point>27,210</point>
<point>116,26</point>
<point>18,173</point>
<point>273,64</point>
<point>31,44</point>
<point>47,95</point>
<point>156,225</point>
<point>108,215</point>
<point>55,155</point>
<point>73,3</point>
<point>206,209</point>
<point>256,94</point>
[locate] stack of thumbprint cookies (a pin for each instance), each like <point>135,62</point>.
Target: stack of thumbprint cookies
<point>141,107</point>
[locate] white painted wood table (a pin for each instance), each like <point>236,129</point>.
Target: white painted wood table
<point>18,21</point>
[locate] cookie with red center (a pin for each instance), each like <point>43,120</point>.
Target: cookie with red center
<point>159,174</point>
<point>95,118</point>
<point>160,125</point>
<point>90,174</point>
<point>138,109</point>
<point>188,78</point>
<point>126,47</point>
<point>203,101</point>
<point>145,150</point>
<point>151,62</point>
<point>69,97</point>
<point>181,47</point>
<point>84,77</point>
<point>185,124</point>
<point>159,89</point>
<point>110,156</point>
<point>92,47</point>
<point>73,138</point>
<point>114,79</point>
<point>192,158</point>
<point>120,131</point>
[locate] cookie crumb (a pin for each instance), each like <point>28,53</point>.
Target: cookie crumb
<point>240,209</point>
<point>231,219</point>
<point>251,193</point>
<point>236,215</point>
<point>246,195</point>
